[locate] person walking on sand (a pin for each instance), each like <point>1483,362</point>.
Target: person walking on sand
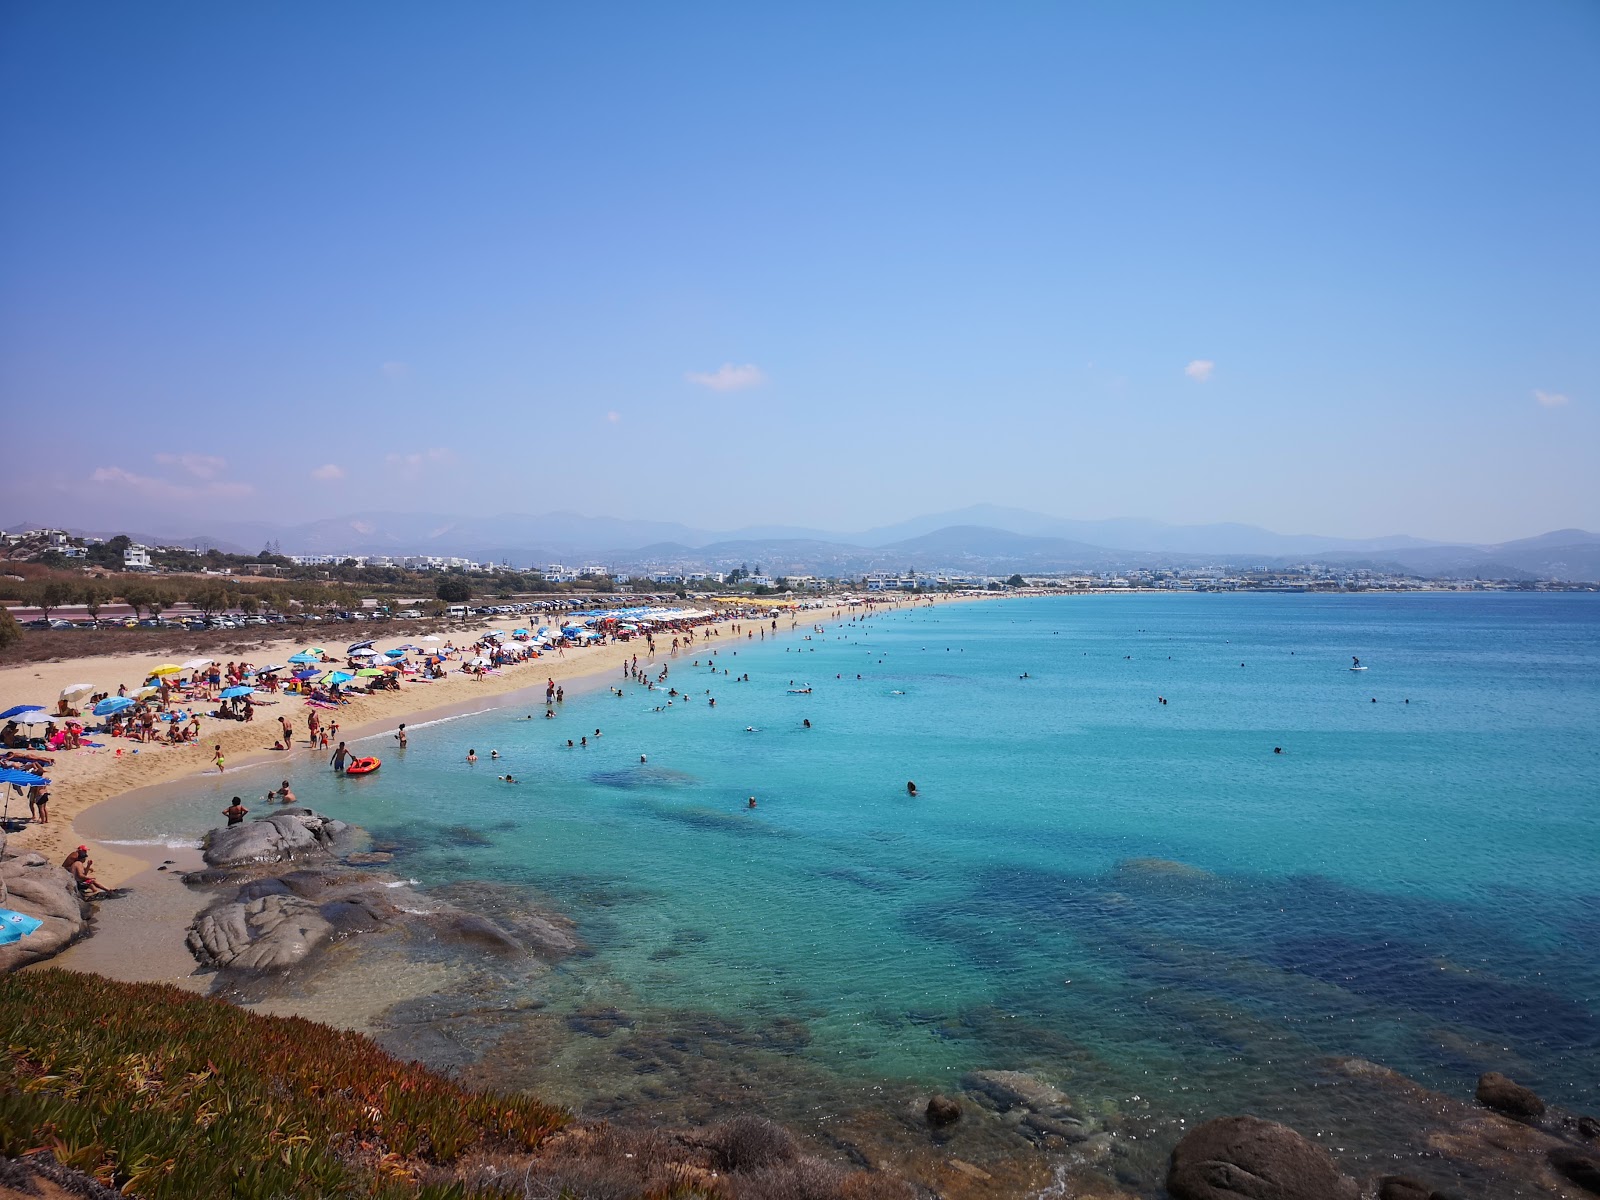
<point>288,731</point>
<point>339,756</point>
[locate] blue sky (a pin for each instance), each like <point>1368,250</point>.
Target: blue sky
<point>1321,267</point>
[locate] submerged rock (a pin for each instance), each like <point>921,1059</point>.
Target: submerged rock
<point>1007,1090</point>
<point>943,1111</point>
<point>1504,1095</point>
<point>39,888</point>
<point>1246,1158</point>
<point>261,934</point>
<point>279,837</point>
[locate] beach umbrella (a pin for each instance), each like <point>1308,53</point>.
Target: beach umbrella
<point>77,689</point>
<point>337,677</point>
<point>396,653</point>
<point>433,637</point>
<point>146,692</point>
<point>166,669</point>
<point>305,674</point>
<point>266,670</point>
<point>34,718</point>
<point>317,650</point>
<point>195,664</point>
<point>233,693</point>
<point>354,646</point>
<point>16,710</point>
<point>20,778</point>
<point>367,653</point>
<point>112,705</point>
<point>370,671</point>
<point>305,656</point>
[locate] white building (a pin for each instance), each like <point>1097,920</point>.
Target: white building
<point>136,558</point>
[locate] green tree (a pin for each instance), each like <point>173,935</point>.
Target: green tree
<point>209,598</point>
<point>53,593</point>
<point>1016,581</point>
<point>10,631</point>
<point>95,596</point>
<point>160,598</point>
<point>137,597</point>
<point>454,590</point>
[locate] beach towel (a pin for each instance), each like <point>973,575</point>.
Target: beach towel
<point>15,926</point>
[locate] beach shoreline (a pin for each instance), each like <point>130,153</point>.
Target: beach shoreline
<point>82,780</point>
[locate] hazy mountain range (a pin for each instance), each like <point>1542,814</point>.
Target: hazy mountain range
<point>982,538</point>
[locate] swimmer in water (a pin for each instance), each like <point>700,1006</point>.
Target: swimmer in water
<point>806,722</point>
<point>752,801</point>
<point>507,778</point>
<point>642,758</point>
<point>472,756</point>
<point>911,788</point>
<point>493,754</point>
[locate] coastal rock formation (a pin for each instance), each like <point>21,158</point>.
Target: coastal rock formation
<point>1246,1158</point>
<point>1037,1110</point>
<point>1399,1187</point>
<point>280,837</point>
<point>38,887</point>
<point>1504,1095</point>
<point>262,934</point>
<point>1579,1166</point>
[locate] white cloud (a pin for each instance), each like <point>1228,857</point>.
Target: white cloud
<point>1200,369</point>
<point>201,466</point>
<point>411,465</point>
<point>729,378</point>
<point>396,370</point>
<point>1550,399</point>
<point>328,472</point>
<point>165,489</point>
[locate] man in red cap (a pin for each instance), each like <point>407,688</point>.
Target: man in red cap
<point>78,863</point>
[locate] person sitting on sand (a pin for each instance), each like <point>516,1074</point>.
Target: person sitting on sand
<point>77,863</point>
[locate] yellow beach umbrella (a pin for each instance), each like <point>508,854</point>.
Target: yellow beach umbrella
<point>167,669</point>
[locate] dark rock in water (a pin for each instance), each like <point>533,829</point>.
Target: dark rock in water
<point>1503,1095</point>
<point>371,858</point>
<point>481,932</point>
<point>1246,1158</point>
<point>943,1111</point>
<point>1579,1166</point>
<point>1399,1187</point>
<point>1589,1127</point>
<point>285,835</point>
<point>598,1022</point>
<point>39,888</point>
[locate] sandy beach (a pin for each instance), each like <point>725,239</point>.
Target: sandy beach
<point>83,778</point>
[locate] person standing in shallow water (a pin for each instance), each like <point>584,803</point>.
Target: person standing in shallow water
<point>340,756</point>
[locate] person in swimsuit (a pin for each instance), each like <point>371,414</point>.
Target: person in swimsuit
<point>235,812</point>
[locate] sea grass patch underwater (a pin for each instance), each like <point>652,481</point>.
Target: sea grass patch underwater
<point>162,1093</point>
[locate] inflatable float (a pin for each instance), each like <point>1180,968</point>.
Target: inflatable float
<point>363,766</point>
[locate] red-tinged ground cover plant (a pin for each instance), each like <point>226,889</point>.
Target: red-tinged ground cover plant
<point>161,1093</point>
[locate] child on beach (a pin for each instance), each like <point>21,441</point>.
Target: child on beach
<point>216,757</point>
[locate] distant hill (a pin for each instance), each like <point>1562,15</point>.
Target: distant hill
<point>980,538</point>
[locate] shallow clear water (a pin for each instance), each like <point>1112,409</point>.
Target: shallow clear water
<point>1417,883</point>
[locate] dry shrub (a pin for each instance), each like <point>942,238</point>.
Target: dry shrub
<point>748,1143</point>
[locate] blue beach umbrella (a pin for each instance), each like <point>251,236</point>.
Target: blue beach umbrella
<point>304,657</point>
<point>20,778</point>
<point>305,674</point>
<point>337,677</point>
<point>395,653</point>
<point>354,646</point>
<point>16,710</point>
<point>112,705</point>
<point>233,693</point>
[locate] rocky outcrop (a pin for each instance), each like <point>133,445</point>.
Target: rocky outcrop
<point>36,886</point>
<point>278,921</point>
<point>292,833</point>
<point>1504,1095</point>
<point>1580,1166</point>
<point>1246,1158</point>
<point>1037,1110</point>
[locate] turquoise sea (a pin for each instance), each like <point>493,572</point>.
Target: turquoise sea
<point>1140,902</point>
